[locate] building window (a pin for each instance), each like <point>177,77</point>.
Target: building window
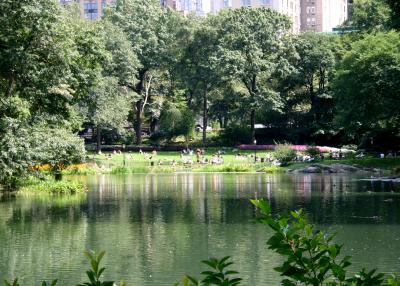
<point>311,10</point>
<point>246,2</point>
<point>265,2</point>
<point>91,11</point>
<point>227,3</point>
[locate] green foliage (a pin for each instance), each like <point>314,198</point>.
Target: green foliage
<point>284,154</point>
<point>367,88</point>
<point>371,15</point>
<point>254,49</point>
<point>272,169</point>
<point>53,187</point>
<point>312,258</point>
<point>176,121</point>
<point>313,151</point>
<point>57,148</point>
<point>96,272</point>
<point>234,135</point>
<point>120,170</point>
<point>219,275</point>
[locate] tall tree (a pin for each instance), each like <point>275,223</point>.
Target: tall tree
<point>148,27</point>
<point>36,55</point>
<point>395,6</point>
<point>199,66</point>
<point>251,47</point>
<point>367,88</point>
<point>371,15</point>
<point>107,106</point>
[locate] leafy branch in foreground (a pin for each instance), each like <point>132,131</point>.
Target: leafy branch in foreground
<point>311,256</point>
<point>219,275</point>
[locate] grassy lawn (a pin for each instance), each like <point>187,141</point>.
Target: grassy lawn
<point>167,162</point>
<point>141,163</point>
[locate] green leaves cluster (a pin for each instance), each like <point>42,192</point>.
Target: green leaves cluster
<point>219,275</point>
<point>311,256</point>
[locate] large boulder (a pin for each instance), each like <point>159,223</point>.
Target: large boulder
<point>335,168</point>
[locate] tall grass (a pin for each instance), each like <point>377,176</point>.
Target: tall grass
<point>50,186</point>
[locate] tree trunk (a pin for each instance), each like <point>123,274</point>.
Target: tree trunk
<point>98,147</point>
<point>205,119</point>
<point>221,121</point>
<point>153,125</point>
<point>138,123</point>
<point>10,87</point>
<point>252,125</point>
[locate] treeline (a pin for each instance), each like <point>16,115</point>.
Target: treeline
<point>146,65</point>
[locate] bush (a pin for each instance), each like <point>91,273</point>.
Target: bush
<point>311,256</point>
<point>284,154</point>
<point>313,151</point>
<point>120,170</point>
<point>235,135</point>
<point>272,169</point>
<point>53,187</point>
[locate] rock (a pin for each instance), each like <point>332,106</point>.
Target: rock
<point>311,170</point>
<point>335,168</point>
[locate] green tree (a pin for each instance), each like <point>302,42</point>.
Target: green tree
<point>367,87</point>
<point>199,66</point>
<point>395,6</point>
<point>308,108</point>
<point>177,120</point>
<point>36,55</point>
<point>107,107</point>
<point>252,44</point>
<point>371,15</point>
<point>150,30</point>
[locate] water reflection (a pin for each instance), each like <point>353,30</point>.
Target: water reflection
<point>158,227</point>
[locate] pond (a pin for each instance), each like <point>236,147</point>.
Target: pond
<point>156,228</point>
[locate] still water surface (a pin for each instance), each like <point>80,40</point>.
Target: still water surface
<point>156,228</point>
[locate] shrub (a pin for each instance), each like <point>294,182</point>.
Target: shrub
<point>53,187</point>
<point>311,256</point>
<point>234,135</point>
<point>272,169</point>
<point>313,151</point>
<point>120,170</point>
<point>284,154</point>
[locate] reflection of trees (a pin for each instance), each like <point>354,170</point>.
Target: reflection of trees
<point>157,226</point>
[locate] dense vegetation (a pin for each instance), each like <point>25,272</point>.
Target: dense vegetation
<point>311,257</point>
<point>143,65</point>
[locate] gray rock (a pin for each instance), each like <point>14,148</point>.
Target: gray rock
<point>335,168</point>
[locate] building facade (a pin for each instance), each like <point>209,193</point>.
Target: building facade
<point>91,9</point>
<point>204,7</point>
<point>323,15</point>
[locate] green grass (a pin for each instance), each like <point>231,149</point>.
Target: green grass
<point>139,163</point>
<point>50,186</point>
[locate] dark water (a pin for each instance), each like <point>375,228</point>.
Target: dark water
<point>156,228</point>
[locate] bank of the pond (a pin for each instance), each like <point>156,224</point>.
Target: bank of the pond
<point>172,162</point>
<point>49,186</point>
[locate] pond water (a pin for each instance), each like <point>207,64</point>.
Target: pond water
<point>156,228</point>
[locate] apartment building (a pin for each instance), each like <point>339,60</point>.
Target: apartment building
<point>91,9</point>
<point>203,7</point>
<point>323,15</point>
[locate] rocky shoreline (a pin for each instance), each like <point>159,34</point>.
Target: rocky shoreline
<point>332,169</point>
